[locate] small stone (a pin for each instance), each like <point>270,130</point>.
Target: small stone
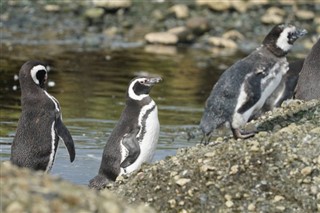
<point>251,207</point>
<point>172,203</point>
<point>209,154</point>
<point>222,42</point>
<point>281,208</point>
<point>52,8</point>
<point>229,203</point>
<point>240,6</point>
<point>161,38</point>
<point>304,15</point>
<point>94,13</point>
<point>205,168</point>
<point>228,197</point>
<point>233,35</point>
<point>273,15</point>
<point>181,11</point>
<point>213,5</point>
<point>306,171</point>
<point>198,25</point>
<point>234,169</point>
<point>278,198</point>
<point>183,181</point>
<point>112,4</point>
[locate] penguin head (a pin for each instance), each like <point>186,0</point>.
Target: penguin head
<point>281,38</point>
<point>140,87</point>
<point>33,73</point>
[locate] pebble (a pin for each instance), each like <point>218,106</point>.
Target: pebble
<point>183,181</point>
<point>209,154</point>
<point>234,169</point>
<point>251,207</point>
<point>229,203</point>
<point>198,25</point>
<point>281,208</point>
<point>278,198</point>
<point>273,15</point>
<point>306,171</point>
<point>52,8</point>
<point>161,38</point>
<point>94,13</point>
<point>112,4</point>
<point>220,6</point>
<point>222,42</point>
<point>304,15</point>
<point>181,11</point>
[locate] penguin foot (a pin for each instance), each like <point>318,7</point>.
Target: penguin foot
<point>205,139</point>
<point>237,133</point>
<point>98,182</point>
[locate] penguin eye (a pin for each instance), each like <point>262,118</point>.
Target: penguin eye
<point>143,81</point>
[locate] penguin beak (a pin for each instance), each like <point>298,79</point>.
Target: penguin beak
<point>153,81</point>
<point>299,33</point>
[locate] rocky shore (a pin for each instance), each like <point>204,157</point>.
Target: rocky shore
<point>222,27</point>
<point>278,170</point>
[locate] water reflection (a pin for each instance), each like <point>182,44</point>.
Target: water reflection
<point>91,86</point>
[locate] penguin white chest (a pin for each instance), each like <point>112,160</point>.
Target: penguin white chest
<point>148,135</point>
<point>268,85</point>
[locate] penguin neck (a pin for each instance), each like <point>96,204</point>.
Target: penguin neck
<point>146,100</point>
<point>275,50</point>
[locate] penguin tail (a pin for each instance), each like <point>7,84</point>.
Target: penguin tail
<point>99,182</point>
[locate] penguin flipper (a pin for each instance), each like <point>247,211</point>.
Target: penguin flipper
<point>65,135</point>
<point>131,143</point>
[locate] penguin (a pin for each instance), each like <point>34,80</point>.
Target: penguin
<point>134,138</point>
<point>40,125</point>
<point>308,86</point>
<point>285,90</point>
<point>243,88</point>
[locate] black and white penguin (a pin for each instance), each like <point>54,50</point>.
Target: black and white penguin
<point>134,138</point>
<point>285,89</point>
<point>308,86</point>
<point>244,87</point>
<point>40,125</point>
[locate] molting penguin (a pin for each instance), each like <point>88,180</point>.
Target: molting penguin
<point>285,90</point>
<point>244,87</point>
<point>308,86</point>
<point>40,125</point>
<point>134,138</point>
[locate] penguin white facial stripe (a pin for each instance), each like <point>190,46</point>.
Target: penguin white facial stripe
<point>282,41</point>
<point>144,111</point>
<point>56,103</point>
<point>34,72</point>
<point>51,157</point>
<point>132,94</point>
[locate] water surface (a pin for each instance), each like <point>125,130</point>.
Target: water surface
<point>91,85</point>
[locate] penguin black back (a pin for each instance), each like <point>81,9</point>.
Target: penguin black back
<point>308,86</point>
<point>40,125</point>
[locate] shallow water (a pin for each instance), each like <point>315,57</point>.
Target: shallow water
<point>90,86</point>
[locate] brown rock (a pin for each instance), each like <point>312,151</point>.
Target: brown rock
<point>161,38</point>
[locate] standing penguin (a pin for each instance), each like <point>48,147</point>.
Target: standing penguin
<point>40,125</point>
<point>244,87</point>
<point>134,138</point>
<point>308,86</point>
